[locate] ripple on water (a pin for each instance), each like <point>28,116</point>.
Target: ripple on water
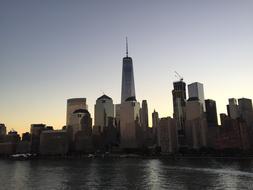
<point>126,174</point>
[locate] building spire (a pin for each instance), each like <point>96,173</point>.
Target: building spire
<point>126,47</point>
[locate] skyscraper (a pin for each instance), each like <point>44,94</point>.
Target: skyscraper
<point>81,121</point>
<point>144,114</point>
<point>73,105</point>
<point>127,88</point>
<point>155,119</point>
<point>246,110</point>
<point>211,113</point>
<point>129,119</point>
<point>2,132</point>
<point>179,101</point>
<point>104,109</point>
<point>245,104</point>
<point>2,129</point>
<point>233,110</point>
<point>195,125</point>
<point>168,135</point>
<point>196,90</point>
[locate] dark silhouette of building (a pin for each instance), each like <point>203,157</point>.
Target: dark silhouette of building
<point>144,115</point>
<point>211,113</point>
<point>179,102</point>
<point>104,109</point>
<point>12,137</point>
<point>179,114</point>
<point>234,134</point>
<point>2,132</point>
<point>246,111</point>
<point>36,130</point>
<point>82,131</point>
<point>26,137</point>
<point>54,142</point>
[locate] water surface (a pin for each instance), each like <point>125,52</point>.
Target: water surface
<point>127,173</point>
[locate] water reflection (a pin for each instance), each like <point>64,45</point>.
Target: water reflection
<point>127,174</point>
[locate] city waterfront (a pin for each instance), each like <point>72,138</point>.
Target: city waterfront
<point>127,173</point>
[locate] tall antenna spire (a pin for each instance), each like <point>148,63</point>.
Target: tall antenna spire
<point>126,47</point>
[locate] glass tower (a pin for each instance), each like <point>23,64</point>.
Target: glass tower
<point>127,88</point>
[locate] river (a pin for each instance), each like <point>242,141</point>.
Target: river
<point>126,173</point>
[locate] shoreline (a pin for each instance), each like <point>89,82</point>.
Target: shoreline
<point>122,156</point>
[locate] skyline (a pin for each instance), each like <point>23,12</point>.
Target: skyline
<point>43,63</point>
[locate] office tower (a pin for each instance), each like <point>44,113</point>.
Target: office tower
<point>228,110</point>
<point>36,130</point>
<point>127,88</point>
<point>155,119</point>
<point>129,119</point>
<point>73,105</point>
<point>81,120</point>
<point>2,129</point>
<point>144,114</point>
<point>223,118</point>
<point>2,132</point>
<point>232,107</point>
<point>234,134</point>
<point>179,101</point>
<point>26,136</point>
<point>104,109</point>
<point>211,113</point>
<point>117,115</point>
<point>155,123</point>
<point>80,131</point>
<point>245,104</point>
<point>12,137</point>
<point>196,124</point>
<point>246,110</point>
<point>196,90</point>
<point>168,135</point>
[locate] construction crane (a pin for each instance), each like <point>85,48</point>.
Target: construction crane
<point>178,76</point>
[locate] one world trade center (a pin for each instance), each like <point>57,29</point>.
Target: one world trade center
<point>127,88</point>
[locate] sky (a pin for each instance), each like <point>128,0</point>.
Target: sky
<point>52,50</point>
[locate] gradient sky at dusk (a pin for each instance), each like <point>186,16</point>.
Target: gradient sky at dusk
<point>52,50</point>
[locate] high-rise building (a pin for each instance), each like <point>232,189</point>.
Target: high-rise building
<point>196,124</point>
<point>12,137</point>
<point>245,104</point>
<point>81,121</point>
<point>223,118</point>
<point>36,130</point>
<point>73,105</point>
<point>179,101</point>
<point>155,122</point>
<point>144,114</point>
<point>127,88</point>
<point>2,129</point>
<point>233,110</point>
<point>129,119</point>
<point>246,110</point>
<point>168,135</point>
<point>211,113</point>
<point>196,90</point>
<point>117,115</point>
<point>104,109</point>
<point>155,119</point>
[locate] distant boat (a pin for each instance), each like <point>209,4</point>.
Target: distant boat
<point>21,156</point>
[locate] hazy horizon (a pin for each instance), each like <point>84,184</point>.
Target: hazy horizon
<point>54,50</point>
